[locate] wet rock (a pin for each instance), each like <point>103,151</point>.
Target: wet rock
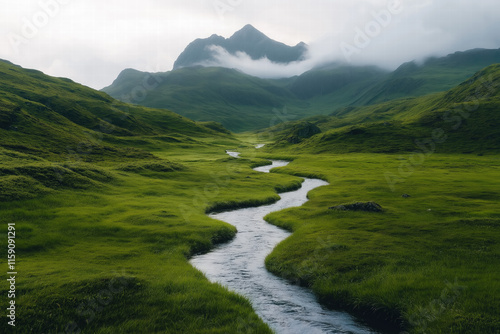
<point>359,206</point>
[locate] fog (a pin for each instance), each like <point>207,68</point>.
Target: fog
<point>387,36</point>
<point>92,41</point>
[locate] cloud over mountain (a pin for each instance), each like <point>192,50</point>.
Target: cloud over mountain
<point>262,68</point>
<point>382,33</point>
<point>248,50</point>
<point>92,41</point>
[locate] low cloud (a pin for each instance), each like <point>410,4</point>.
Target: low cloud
<point>386,34</point>
<point>92,41</point>
<point>262,68</point>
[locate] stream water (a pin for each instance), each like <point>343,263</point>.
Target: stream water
<point>239,265</point>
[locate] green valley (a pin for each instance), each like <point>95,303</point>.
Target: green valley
<point>110,199</point>
<point>109,202</point>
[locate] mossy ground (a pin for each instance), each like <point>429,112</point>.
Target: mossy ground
<point>103,247</point>
<point>111,255</point>
<point>426,264</point>
<point>107,216</point>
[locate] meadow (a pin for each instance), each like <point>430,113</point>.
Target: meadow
<point>427,264</point>
<point>110,201</point>
<point>104,247</point>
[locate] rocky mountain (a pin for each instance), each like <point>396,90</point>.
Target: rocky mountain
<point>248,40</point>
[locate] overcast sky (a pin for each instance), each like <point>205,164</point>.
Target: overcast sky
<point>91,41</point>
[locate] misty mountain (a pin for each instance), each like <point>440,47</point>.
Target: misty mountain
<point>248,40</point>
<point>337,78</point>
<point>242,102</point>
<point>435,74</point>
<point>464,119</point>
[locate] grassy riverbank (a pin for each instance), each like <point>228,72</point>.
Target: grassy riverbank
<point>103,247</point>
<point>426,264</point>
<point>109,201</point>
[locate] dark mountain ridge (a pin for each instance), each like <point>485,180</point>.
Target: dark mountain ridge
<point>248,40</point>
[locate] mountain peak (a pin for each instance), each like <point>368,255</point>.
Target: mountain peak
<point>248,40</point>
<point>249,29</point>
<point>249,35</point>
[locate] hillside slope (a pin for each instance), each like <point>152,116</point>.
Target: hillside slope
<point>238,101</point>
<point>108,201</point>
<point>50,116</point>
<point>464,119</point>
<point>435,74</point>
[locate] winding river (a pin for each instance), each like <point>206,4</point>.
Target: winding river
<point>239,265</point>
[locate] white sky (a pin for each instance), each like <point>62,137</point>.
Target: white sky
<point>91,41</point>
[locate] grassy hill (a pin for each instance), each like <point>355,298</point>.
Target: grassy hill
<point>433,75</point>
<point>464,119</point>
<point>238,101</point>
<point>47,115</point>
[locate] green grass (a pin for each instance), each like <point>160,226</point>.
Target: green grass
<point>110,202</point>
<point>58,119</point>
<point>464,119</point>
<point>427,264</point>
<point>107,217</point>
<point>126,237</point>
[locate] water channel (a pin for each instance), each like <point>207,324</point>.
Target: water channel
<point>239,265</point>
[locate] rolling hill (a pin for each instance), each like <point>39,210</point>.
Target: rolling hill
<point>53,132</point>
<point>105,203</point>
<point>435,74</point>
<point>238,101</point>
<point>50,116</point>
<point>464,119</point>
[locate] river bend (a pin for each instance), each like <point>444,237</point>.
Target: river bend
<point>239,265</point>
